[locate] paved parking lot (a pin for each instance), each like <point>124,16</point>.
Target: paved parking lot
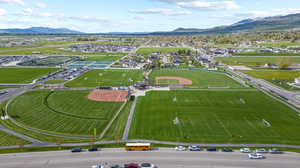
<point>163,158</point>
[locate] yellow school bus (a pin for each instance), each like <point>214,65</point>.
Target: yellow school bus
<point>138,146</point>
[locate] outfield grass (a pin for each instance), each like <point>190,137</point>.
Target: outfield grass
<point>67,112</point>
<point>199,78</point>
<point>214,117</point>
<point>277,77</point>
<point>23,75</point>
<point>252,61</point>
<point>95,78</point>
<point>101,58</point>
<point>147,51</point>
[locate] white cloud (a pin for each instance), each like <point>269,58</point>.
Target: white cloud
<point>206,5</point>
<point>13,2</point>
<point>274,12</point>
<point>163,11</point>
<point>40,5</point>
<point>27,11</point>
<point>2,12</point>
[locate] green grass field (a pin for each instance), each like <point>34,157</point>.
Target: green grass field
<point>8,140</point>
<point>252,61</point>
<point>54,81</point>
<point>215,117</point>
<point>279,78</point>
<point>49,61</point>
<point>202,79</point>
<point>147,51</point>
<point>67,112</point>
<point>265,54</point>
<point>95,78</point>
<point>23,75</point>
<point>280,44</point>
<point>101,58</point>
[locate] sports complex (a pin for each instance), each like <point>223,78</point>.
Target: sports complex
<point>195,106</point>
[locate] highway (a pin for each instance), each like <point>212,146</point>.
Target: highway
<point>163,158</point>
<point>292,97</point>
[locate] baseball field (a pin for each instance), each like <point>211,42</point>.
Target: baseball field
<point>95,78</point>
<point>65,112</point>
<point>215,117</point>
<point>23,75</point>
<point>199,78</point>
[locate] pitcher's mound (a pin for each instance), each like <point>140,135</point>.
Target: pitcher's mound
<point>109,95</point>
<point>182,81</point>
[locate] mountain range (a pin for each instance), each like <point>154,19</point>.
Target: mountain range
<point>276,23</point>
<point>39,30</point>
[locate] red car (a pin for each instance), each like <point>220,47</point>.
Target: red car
<point>132,165</point>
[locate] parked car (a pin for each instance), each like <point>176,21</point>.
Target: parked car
<point>180,148</point>
<point>76,150</point>
<point>261,151</point>
<point>115,166</point>
<point>98,166</point>
<point>245,150</point>
<point>147,165</point>
<point>275,151</point>
<point>194,148</point>
<point>131,165</point>
<point>227,150</point>
<point>93,149</point>
<point>256,156</point>
<point>211,149</point>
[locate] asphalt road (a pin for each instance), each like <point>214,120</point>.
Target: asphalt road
<point>163,158</point>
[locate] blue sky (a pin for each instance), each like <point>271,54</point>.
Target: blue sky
<point>136,15</point>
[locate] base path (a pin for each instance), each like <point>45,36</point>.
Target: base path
<point>109,95</point>
<point>182,81</point>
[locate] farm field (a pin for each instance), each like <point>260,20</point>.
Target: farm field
<point>279,78</point>
<point>56,112</point>
<point>280,44</point>
<point>202,79</point>
<point>252,61</point>
<point>147,51</point>
<point>101,58</point>
<point>23,75</point>
<point>214,117</point>
<point>265,54</point>
<point>95,78</point>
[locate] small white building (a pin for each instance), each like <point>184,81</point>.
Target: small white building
<point>297,81</point>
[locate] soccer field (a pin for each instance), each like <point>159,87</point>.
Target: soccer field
<point>23,75</point>
<point>214,117</point>
<point>96,78</point>
<point>202,79</point>
<point>67,112</point>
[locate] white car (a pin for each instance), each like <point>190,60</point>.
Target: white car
<point>180,148</point>
<point>256,156</point>
<point>98,166</point>
<point>147,165</point>
<point>245,150</point>
<point>261,151</point>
